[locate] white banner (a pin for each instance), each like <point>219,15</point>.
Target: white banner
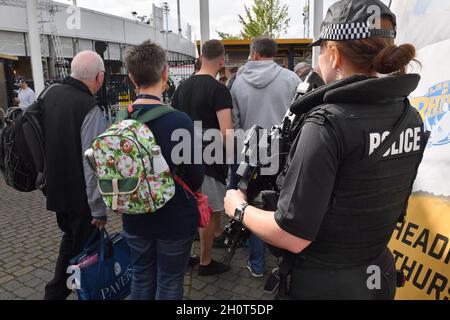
<point>421,244</point>
<point>432,100</point>
<point>422,22</point>
<point>425,23</point>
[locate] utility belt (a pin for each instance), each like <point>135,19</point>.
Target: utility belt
<point>281,281</point>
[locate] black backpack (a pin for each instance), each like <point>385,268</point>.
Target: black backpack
<point>22,148</point>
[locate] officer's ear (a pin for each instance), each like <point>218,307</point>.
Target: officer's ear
<point>337,63</point>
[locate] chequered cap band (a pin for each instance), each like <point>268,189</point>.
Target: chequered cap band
<point>353,31</point>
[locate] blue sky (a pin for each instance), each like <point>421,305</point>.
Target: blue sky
<point>223,13</point>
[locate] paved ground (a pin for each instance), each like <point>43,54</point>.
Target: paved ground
<point>29,242</point>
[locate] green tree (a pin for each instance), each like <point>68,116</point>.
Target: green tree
<point>265,17</point>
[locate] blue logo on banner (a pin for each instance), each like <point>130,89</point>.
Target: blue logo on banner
<point>434,109</point>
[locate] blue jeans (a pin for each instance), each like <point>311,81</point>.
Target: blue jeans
<point>257,258</point>
<point>158,268</point>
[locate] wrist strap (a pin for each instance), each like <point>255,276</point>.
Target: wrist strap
<point>244,206</point>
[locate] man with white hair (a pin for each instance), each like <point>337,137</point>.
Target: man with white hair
<point>71,120</point>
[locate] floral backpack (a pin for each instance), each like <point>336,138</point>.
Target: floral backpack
<point>124,163</point>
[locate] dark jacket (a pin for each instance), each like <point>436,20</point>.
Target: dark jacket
<point>350,214</point>
<point>65,108</point>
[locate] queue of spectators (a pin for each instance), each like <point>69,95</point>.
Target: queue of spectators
<point>160,243</point>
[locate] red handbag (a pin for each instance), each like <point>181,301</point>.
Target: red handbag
<point>202,203</point>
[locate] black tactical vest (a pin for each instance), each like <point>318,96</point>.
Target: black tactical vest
<point>366,204</point>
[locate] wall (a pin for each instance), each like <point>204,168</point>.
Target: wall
<point>95,26</point>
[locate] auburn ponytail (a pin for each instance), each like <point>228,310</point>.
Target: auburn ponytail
<point>394,59</point>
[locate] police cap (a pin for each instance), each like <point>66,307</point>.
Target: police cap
<point>356,20</point>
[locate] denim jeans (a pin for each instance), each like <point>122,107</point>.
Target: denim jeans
<point>257,258</point>
<point>158,268</point>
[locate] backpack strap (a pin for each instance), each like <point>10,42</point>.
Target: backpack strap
<point>184,185</point>
<point>144,115</point>
<point>44,93</point>
<point>147,115</point>
<point>122,115</point>
<point>33,130</point>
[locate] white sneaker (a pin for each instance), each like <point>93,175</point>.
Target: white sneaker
<point>254,274</point>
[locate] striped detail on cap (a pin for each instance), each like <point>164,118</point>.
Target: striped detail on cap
<point>353,31</point>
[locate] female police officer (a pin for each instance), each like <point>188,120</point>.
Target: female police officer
<point>351,170</point>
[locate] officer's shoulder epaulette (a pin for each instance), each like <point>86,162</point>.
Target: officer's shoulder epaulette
<point>320,114</point>
<point>317,115</point>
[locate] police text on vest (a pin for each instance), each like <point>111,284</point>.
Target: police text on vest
<point>409,141</point>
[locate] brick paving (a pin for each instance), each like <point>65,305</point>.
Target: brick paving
<point>29,242</point>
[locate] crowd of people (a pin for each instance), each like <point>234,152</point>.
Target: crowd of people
<point>332,220</point>
<point>160,244</point>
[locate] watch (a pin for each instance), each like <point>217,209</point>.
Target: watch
<point>239,213</point>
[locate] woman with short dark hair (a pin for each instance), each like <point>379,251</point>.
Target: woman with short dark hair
<point>161,243</point>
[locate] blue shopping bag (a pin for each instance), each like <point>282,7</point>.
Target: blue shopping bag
<point>103,271</point>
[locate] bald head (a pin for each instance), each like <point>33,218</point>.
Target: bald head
<point>87,65</point>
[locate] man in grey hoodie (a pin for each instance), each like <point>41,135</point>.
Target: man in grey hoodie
<point>262,93</point>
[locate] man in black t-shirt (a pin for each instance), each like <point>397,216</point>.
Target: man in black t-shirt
<point>208,101</point>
